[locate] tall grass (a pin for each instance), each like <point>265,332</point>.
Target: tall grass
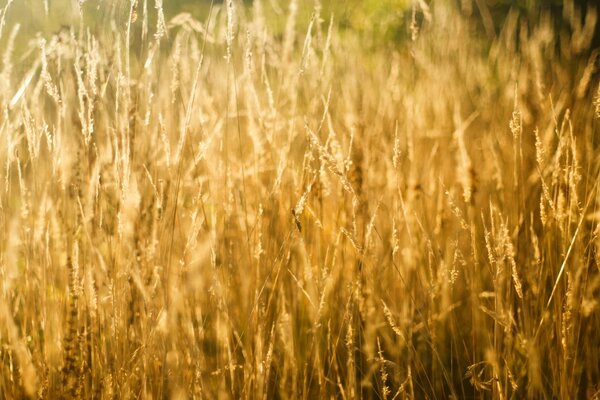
<point>218,208</point>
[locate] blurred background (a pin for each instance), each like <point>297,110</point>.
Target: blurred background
<point>378,20</point>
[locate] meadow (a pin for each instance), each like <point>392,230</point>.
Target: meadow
<point>296,200</point>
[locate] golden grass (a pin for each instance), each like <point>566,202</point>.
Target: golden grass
<point>212,209</point>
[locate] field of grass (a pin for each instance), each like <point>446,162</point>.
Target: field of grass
<point>268,200</point>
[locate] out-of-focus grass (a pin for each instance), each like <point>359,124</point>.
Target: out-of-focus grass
<point>400,202</point>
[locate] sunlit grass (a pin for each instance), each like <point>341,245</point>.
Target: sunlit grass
<point>284,200</point>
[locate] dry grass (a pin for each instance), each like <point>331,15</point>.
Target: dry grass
<point>216,209</point>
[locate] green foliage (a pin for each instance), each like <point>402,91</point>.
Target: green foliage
<point>376,20</point>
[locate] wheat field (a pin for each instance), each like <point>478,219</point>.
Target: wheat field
<point>269,200</point>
